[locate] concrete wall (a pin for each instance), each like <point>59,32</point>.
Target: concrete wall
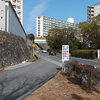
<point>29,42</point>
<point>13,23</point>
<point>2,15</point>
<point>13,49</point>
<point>44,45</point>
<point>10,21</point>
<point>97,9</point>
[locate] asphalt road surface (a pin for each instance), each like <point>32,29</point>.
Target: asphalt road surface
<point>58,59</point>
<point>19,81</point>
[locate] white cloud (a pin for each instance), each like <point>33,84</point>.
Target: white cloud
<point>28,29</point>
<point>36,11</point>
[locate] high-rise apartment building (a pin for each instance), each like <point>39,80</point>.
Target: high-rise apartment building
<point>92,11</point>
<point>43,24</point>
<point>18,6</point>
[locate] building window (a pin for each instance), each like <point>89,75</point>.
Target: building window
<point>19,18</point>
<point>18,1</point>
<point>18,7</point>
<point>1,17</point>
<point>19,13</point>
<point>92,14</point>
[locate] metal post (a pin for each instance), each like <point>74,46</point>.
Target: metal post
<point>33,51</point>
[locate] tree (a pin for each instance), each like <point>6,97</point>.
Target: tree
<point>53,39</point>
<point>31,36</point>
<point>94,35</point>
<point>58,37</point>
<point>68,34</point>
<point>90,33</point>
<point>74,44</point>
<point>84,33</point>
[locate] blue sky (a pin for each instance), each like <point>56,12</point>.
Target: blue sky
<point>58,9</point>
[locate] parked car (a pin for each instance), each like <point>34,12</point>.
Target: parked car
<point>44,51</point>
<point>52,52</point>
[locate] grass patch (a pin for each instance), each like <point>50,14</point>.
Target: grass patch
<point>30,60</point>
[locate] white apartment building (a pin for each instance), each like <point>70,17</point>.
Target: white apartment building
<point>18,6</point>
<point>92,11</point>
<point>9,20</point>
<point>43,24</point>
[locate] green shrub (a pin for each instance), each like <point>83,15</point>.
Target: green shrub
<point>48,50</point>
<point>59,51</point>
<point>88,54</point>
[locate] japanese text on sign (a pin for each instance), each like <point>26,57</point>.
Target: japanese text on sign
<point>65,52</point>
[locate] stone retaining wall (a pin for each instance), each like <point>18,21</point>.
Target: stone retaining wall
<point>43,45</point>
<point>13,49</point>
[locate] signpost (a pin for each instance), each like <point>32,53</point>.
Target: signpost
<point>65,53</point>
<point>33,48</point>
<point>98,54</point>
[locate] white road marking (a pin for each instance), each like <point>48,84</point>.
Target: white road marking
<point>52,61</point>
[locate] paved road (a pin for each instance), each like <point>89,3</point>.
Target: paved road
<point>21,80</point>
<point>58,58</point>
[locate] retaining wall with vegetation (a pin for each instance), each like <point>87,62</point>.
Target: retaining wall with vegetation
<point>13,49</point>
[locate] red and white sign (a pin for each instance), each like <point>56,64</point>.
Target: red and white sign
<point>65,52</point>
<point>98,53</point>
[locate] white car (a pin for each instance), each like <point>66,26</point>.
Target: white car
<point>44,51</point>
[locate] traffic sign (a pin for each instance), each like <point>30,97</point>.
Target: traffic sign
<point>65,53</point>
<point>33,45</point>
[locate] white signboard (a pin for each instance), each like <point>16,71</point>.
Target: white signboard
<point>98,53</point>
<point>65,53</point>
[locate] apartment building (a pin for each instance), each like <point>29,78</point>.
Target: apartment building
<point>92,11</point>
<point>9,20</point>
<point>43,24</point>
<point>18,6</point>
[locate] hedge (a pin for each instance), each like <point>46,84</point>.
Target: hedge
<point>88,54</point>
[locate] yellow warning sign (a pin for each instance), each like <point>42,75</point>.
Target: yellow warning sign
<point>33,45</point>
